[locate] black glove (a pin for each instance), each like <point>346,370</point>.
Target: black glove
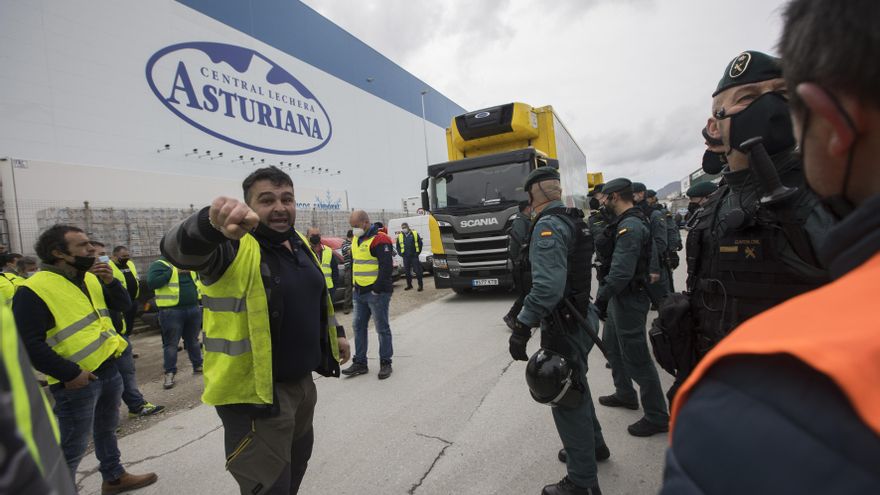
<point>602,307</point>
<point>518,340</point>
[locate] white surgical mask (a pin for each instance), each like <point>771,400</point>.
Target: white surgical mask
<point>30,274</point>
<point>406,230</point>
<point>357,232</point>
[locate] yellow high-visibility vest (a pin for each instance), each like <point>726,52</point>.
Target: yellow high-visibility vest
<point>326,260</point>
<point>415,242</point>
<point>169,294</point>
<point>238,342</point>
<point>83,332</point>
<point>8,283</point>
<point>118,275</point>
<point>33,414</point>
<point>365,266</point>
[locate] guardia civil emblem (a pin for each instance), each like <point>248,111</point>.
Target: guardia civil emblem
<point>740,64</point>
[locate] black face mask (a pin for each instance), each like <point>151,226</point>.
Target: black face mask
<point>82,263</point>
<point>767,117</point>
<point>123,261</point>
<point>315,239</point>
<point>692,207</point>
<point>713,163</point>
<point>594,204</point>
<point>272,235</point>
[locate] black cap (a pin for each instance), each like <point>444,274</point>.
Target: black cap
<point>650,193</point>
<point>638,187</point>
<point>617,185</point>
<point>702,189</point>
<point>749,67</point>
<point>540,174</point>
<point>596,189</point>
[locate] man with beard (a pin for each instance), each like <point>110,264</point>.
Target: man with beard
<point>259,273</point>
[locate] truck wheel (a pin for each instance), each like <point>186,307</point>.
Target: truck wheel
<point>461,290</point>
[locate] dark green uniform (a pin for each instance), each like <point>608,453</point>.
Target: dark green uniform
<point>660,236</point>
<point>550,247</point>
<point>519,233</point>
<point>628,305</point>
<point>598,222</point>
<point>674,244</point>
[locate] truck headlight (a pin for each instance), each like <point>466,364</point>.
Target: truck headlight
<point>441,223</point>
<point>440,263</point>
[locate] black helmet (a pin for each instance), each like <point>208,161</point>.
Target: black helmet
<point>551,380</point>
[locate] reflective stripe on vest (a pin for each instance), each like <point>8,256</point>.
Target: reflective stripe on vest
<point>326,260</point>
<point>238,343</point>
<point>33,413</point>
<point>403,245</point>
<point>83,332</point>
<point>846,354</point>
<point>365,267</point>
<point>169,294</point>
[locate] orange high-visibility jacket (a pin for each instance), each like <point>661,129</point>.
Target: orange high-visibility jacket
<point>834,330</point>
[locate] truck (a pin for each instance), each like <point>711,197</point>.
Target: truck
<point>473,198</point>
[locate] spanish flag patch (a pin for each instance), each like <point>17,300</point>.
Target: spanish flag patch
<point>622,231</point>
<point>546,233</point>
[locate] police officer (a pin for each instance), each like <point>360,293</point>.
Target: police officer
<point>750,255</point>
<point>670,259</point>
<point>597,222</point>
<point>659,279</point>
<point>698,193</point>
<point>624,299</point>
<point>518,239</point>
<point>559,253</point>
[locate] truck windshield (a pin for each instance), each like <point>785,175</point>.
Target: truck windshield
<point>482,187</point>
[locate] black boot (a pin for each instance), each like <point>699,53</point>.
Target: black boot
<point>566,487</point>
<point>613,401</point>
<point>645,428</point>
<point>602,454</point>
<point>356,369</point>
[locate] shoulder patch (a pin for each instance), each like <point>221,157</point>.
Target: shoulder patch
<point>546,233</point>
<point>622,231</point>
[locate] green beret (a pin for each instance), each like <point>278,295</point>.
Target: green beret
<point>617,185</point>
<point>749,67</point>
<point>638,187</point>
<point>596,189</point>
<point>702,189</point>
<point>650,193</point>
<point>540,174</point>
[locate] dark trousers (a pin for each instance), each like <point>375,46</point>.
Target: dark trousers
<point>129,318</point>
<point>179,322</point>
<point>626,342</point>
<point>411,263</point>
<point>131,395</point>
<point>348,288</point>
<point>579,427</point>
<point>269,455</point>
<point>91,412</point>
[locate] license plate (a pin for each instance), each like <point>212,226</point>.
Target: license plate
<point>484,282</point>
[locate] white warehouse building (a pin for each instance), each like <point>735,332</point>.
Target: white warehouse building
<point>124,116</point>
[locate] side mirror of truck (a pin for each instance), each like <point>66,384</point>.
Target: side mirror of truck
<point>426,204</point>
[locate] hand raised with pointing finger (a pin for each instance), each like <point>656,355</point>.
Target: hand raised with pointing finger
<point>232,217</point>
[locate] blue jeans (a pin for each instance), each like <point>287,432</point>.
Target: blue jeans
<point>365,304</point>
<point>91,411</point>
<point>130,393</point>
<point>176,323</point>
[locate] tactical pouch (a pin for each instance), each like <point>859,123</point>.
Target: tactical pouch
<point>662,348</point>
<point>671,335</point>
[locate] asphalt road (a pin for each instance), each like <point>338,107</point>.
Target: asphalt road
<point>454,418</point>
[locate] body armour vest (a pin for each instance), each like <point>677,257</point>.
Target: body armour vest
<point>577,283</point>
<point>735,268</point>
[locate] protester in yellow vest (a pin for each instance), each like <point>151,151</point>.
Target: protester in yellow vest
<point>131,394</point>
<point>177,296</point>
<point>269,324</point>
<point>9,278</point>
<point>324,253</point>
<point>63,315</point>
<point>409,245</point>
<point>32,462</point>
<point>371,254</point>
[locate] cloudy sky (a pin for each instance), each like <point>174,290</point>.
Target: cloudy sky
<point>631,79</point>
